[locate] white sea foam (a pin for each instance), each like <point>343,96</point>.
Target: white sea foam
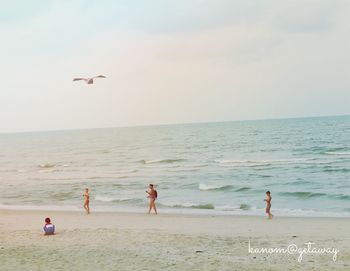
<point>126,171</point>
<point>191,205</point>
<point>104,198</point>
<point>338,153</point>
<point>207,187</point>
<point>162,161</point>
<point>264,162</point>
<point>183,169</point>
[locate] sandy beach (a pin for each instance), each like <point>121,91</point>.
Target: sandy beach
<point>130,241</point>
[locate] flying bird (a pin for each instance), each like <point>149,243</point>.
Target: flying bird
<point>89,80</point>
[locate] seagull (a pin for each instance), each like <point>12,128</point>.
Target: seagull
<point>89,80</point>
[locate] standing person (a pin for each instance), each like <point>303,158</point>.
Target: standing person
<point>152,195</point>
<point>268,204</point>
<point>87,201</point>
<point>49,228</point>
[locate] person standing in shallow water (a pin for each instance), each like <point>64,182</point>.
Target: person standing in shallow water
<point>268,204</point>
<point>152,195</point>
<point>87,201</point>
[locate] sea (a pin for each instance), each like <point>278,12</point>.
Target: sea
<point>221,168</point>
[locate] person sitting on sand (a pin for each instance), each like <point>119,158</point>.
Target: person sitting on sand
<point>268,204</point>
<point>49,228</point>
<point>152,195</point>
<point>87,201</point>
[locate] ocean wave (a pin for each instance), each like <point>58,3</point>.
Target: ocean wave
<point>230,208</point>
<point>336,170</point>
<point>103,198</point>
<point>241,189</point>
<point>62,196</point>
<point>320,162</point>
<point>297,182</point>
<point>206,187</point>
<point>322,150</point>
<point>303,195</point>
<point>261,163</point>
<point>161,161</point>
<point>183,170</point>
<point>243,163</point>
<point>95,178</point>
<point>199,165</point>
<point>49,166</point>
<point>340,196</point>
<point>338,153</point>
<point>244,206</point>
<point>260,175</point>
<point>122,177</point>
<point>207,206</point>
<point>126,171</point>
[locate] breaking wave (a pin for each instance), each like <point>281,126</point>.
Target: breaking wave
<point>259,163</point>
<point>207,206</point>
<point>303,195</point>
<point>206,187</point>
<point>117,200</point>
<point>162,161</point>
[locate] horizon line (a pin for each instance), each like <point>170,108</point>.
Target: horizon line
<point>170,124</point>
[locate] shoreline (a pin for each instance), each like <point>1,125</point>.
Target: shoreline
<point>173,211</point>
<point>164,214</point>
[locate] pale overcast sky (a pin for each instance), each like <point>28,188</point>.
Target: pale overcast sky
<point>171,61</point>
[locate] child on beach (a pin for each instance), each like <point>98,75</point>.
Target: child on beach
<point>87,201</point>
<point>49,228</point>
<point>152,195</point>
<point>268,204</point>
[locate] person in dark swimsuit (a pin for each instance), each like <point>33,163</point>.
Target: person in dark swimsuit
<point>268,204</point>
<point>87,201</point>
<point>152,195</point>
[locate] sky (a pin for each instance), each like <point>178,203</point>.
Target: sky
<point>171,61</point>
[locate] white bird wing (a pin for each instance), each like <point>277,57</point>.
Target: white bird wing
<point>99,76</point>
